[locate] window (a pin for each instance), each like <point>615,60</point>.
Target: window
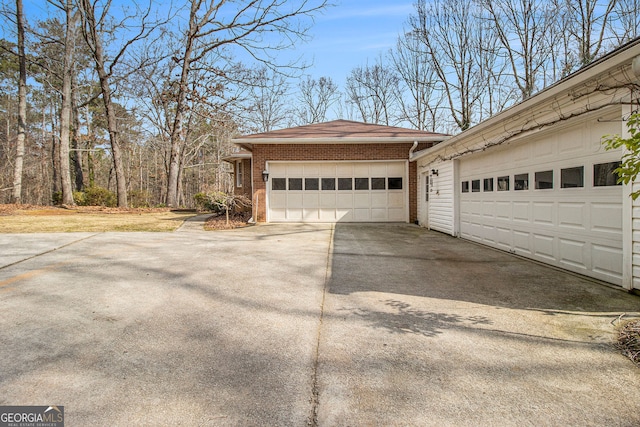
<point>426,187</point>
<point>362,183</point>
<point>239,173</point>
<point>345,183</point>
<point>475,185</point>
<point>604,175</point>
<point>394,183</point>
<point>521,181</point>
<point>295,184</point>
<point>544,180</point>
<point>278,183</point>
<point>378,184</point>
<point>503,183</point>
<point>465,186</point>
<point>311,184</point>
<point>572,177</point>
<point>488,184</point>
<point>328,184</point>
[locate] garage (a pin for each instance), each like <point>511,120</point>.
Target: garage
<point>554,198</point>
<point>347,191</point>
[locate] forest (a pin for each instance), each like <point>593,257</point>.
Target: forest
<point>134,104</point>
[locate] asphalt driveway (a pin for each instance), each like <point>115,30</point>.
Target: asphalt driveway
<point>306,325</point>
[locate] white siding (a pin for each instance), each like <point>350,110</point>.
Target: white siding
<point>442,199</point>
<point>635,239</point>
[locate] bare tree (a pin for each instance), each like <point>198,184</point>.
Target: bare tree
<point>450,33</point>
<point>22,107</point>
<point>268,105</point>
<point>94,28</point>
<point>589,21</point>
<point>373,91</point>
<point>627,21</point>
<point>521,27</point>
<point>315,98</point>
<point>216,25</point>
<point>419,98</point>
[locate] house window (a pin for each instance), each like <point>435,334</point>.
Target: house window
<point>278,184</point>
<point>572,177</point>
<point>311,184</point>
<point>362,183</point>
<point>295,184</point>
<point>328,184</point>
<point>544,180</point>
<point>475,186</point>
<point>239,173</point>
<point>604,175</point>
<point>488,184</point>
<point>394,183</point>
<point>465,186</point>
<point>521,182</point>
<point>378,184</point>
<point>345,184</point>
<point>503,183</point>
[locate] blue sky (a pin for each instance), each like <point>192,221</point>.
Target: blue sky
<point>352,32</point>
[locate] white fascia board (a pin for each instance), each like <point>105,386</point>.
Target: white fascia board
<point>358,140</point>
<point>608,67</point>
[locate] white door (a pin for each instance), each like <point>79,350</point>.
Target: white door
<point>425,188</point>
<point>553,199</point>
<point>338,191</point>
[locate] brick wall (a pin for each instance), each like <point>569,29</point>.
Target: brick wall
<point>329,152</point>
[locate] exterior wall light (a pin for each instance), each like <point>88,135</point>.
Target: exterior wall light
<point>265,176</point>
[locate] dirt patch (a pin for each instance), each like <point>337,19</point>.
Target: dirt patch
<point>629,340</point>
<point>219,222</point>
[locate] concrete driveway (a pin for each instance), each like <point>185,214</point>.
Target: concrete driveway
<point>306,325</point>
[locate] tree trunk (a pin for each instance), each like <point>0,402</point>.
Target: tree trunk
<point>65,113</point>
<point>94,39</point>
<point>75,141</point>
<point>22,108</point>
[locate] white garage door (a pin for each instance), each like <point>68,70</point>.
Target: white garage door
<point>338,191</point>
<point>554,199</point>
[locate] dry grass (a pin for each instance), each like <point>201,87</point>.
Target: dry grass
<point>48,219</point>
<point>629,340</point>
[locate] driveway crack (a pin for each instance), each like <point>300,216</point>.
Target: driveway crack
<point>315,392</point>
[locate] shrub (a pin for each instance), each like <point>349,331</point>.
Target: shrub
<point>98,196</point>
<point>139,198</point>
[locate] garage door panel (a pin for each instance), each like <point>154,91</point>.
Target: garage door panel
<point>328,215</point>
<point>521,241</point>
<point>606,217</point>
<point>378,200</point>
<point>543,246</point>
<point>294,200</point>
<point>572,215</point>
<point>503,210</point>
<point>278,200</point>
<point>362,214</point>
<point>379,214</point>
<point>344,214</point>
<point>396,214</point>
<point>344,169</point>
<point>395,169</point>
<point>310,214</point>
<point>345,200</point>
<point>606,260</point>
<point>543,213</point>
<point>395,200</point>
<point>328,200</point>
<point>311,200</point>
<point>521,211</point>
<point>362,201</point>
<point>573,253</point>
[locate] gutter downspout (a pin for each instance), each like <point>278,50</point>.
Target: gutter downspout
<point>413,148</point>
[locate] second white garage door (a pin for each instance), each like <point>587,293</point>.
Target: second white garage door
<point>338,191</point>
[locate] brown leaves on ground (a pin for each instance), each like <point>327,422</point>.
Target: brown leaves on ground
<point>24,209</point>
<point>629,340</point>
<point>219,222</point>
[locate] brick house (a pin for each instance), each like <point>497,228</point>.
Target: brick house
<point>330,172</point>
